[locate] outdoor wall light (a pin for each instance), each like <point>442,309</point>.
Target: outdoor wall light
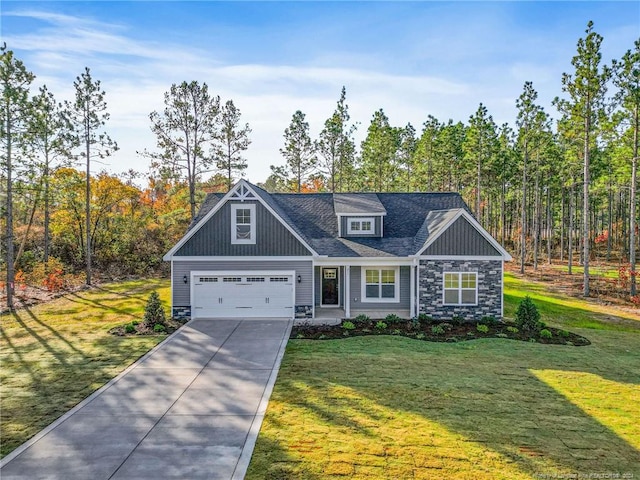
<point>299,278</point>
<point>185,279</point>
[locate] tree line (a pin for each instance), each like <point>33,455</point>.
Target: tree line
<point>546,189</point>
<point>62,219</point>
<point>543,188</point>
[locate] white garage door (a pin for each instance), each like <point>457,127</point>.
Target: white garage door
<point>242,294</point>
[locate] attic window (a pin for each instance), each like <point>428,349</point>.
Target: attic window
<point>243,224</point>
<point>357,226</point>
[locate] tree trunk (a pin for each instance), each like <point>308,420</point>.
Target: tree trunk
<point>9,227</point>
<point>632,206</point>
<point>537,215</point>
<point>571,227</point>
<point>585,208</point>
<point>32,215</point>
<point>523,234</point>
<point>87,206</point>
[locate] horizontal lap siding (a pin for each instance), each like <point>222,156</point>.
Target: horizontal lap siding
<point>405,292</point>
<point>181,291</point>
<point>461,238</point>
<point>214,237</point>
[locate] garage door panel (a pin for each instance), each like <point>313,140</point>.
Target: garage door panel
<point>247,295</point>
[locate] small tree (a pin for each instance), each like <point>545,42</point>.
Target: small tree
<point>527,315</point>
<point>153,312</point>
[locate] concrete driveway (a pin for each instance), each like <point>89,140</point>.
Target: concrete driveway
<point>189,409</point>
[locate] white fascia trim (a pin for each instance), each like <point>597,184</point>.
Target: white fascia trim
<point>362,214</point>
<point>459,257</point>
<point>241,259</point>
<point>487,236</point>
<point>360,261</point>
<point>169,255</point>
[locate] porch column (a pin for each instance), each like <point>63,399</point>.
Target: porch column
<point>412,294</point>
<point>347,291</point>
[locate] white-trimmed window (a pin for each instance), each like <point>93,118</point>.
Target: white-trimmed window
<point>357,226</point>
<point>243,223</point>
<point>380,284</point>
<point>460,288</point>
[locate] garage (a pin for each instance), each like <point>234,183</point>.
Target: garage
<point>248,294</point>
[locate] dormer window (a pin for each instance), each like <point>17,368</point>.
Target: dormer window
<point>243,223</point>
<point>357,226</point>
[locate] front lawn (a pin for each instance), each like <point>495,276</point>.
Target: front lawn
<point>56,354</point>
<point>391,407</point>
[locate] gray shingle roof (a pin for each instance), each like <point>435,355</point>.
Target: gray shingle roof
<point>357,204</point>
<point>410,219</point>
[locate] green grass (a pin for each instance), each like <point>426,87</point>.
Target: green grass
<point>56,354</point>
<point>391,407</point>
<point>594,270</point>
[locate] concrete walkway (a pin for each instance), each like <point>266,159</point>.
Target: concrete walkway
<point>189,409</point>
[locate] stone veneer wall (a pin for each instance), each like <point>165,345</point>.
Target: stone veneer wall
<point>431,287</point>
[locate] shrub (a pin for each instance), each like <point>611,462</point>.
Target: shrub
<point>348,325</point>
<point>527,315</point>
<point>396,332</point>
<point>423,317</point>
<point>153,312</point>
<point>482,328</point>
<point>437,330</point>
<point>512,330</point>
<point>159,328</point>
<point>457,320</point>
<point>502,335</point>
<point>420,336</point>
<point>392,318</point>
<point>564,333</point>
<point>446,326</point>
<point>413,324</point>
<point>380,325</point>
<point>489,320</point>
<point>129,328</point>
<point>362,318</point>
<point>544,333</point>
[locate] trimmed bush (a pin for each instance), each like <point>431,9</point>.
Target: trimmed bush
<point>527,315</point>
<point>482,328</point>
<point>437,330</point>
<point>159,328</point>
<point>544,333</point>
<point>512,330</point>
<point>153,312</point>
<point>489,320</point>
<point>381,325</point>
<point>129,328</point>
<point>348,325</point>
<point>362,318</point>
<point>392,318</point>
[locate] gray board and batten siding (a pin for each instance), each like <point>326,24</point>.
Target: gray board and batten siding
<point>461,238</point>
<point>182,291</point>
<point>214,237</point>
<point>356,292</point>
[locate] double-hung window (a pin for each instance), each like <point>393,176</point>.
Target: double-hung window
<point>243,223</point>
<point>357,226</point>
<point>460,288</point>
<point>380,284</point>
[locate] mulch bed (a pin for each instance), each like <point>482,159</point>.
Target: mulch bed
<point>140,328</point>
<point>432,331</point>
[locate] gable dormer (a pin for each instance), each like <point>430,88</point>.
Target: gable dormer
<point>359,215</point>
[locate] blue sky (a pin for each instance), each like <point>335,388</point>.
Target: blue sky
<point>413,59</point>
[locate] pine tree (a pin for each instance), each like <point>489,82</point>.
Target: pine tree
<point>298,149</point>
<point>232,140</point>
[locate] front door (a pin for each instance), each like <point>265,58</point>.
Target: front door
<point>330,295</point>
